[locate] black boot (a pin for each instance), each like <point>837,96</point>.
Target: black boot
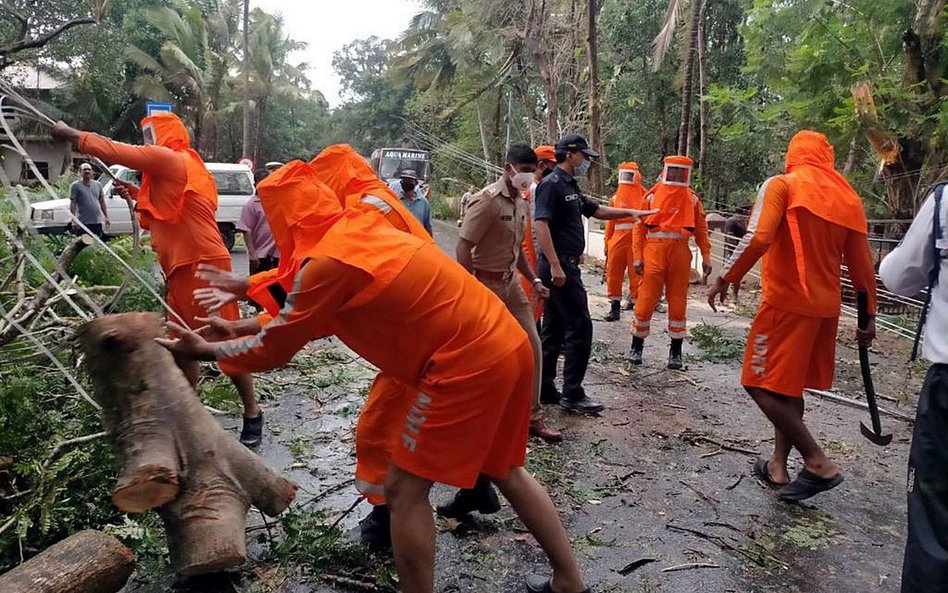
<point>481,498</point>
<point>675,362</point>
<point>613,314</point>
<point>252,432</point>
<point>635,352</point>
<point>375,529</point>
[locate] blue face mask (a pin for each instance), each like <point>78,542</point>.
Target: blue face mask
<point>583,168</point>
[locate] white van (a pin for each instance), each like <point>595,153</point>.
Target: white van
<point>234,187</point>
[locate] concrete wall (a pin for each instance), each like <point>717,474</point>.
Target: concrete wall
<point>41,150</point>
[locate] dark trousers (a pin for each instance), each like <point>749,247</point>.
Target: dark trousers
<point>566,327</point>
<point>926,552</point>
<point>94,227</point>
<point>264,264</point>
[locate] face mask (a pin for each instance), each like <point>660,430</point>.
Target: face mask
<point>521,180</point>
<point>583,168</point>
<point>408,185</point>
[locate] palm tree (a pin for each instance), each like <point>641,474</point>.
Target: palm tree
<point>192,64</point>
<point>661,45</point>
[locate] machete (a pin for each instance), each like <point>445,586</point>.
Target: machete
<point>875,434</point>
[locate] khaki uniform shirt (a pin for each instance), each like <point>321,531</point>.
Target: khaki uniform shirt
<point>494,222</point>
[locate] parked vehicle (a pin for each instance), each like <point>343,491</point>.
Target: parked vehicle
<point>234,187</point>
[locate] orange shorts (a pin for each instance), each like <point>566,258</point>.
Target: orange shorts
<point>377,434</point>
<point>180,296</point>
<point>461,426</point>
<point>180,293</point>
<point>787,352</point>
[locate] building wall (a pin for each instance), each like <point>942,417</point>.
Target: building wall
<point>49,156</point>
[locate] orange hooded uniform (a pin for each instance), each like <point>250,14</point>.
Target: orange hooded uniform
<point>176,203</point>
<point>347,174</point>
<point>804,224</point>
<point>452,340</point>
<point>662,243</point>
<point>629,194</point>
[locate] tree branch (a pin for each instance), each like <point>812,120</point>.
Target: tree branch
<point>42,40</point>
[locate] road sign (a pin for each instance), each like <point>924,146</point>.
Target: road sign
<point>247,161</point>
<point>153,107</point>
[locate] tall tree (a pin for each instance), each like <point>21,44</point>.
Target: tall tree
<point>595,126</point>
<point>246,75</point>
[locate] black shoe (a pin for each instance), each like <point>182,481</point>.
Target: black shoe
<point>539,584</point>
<point>584,405</point>
<point>635,352</point>
<point>629,304</point>
<point>613,314</point>
<point>375,529</point>
<point>481,498</point>
<point>550,397</point>
<point>675,361</point>
<point>252,432</point>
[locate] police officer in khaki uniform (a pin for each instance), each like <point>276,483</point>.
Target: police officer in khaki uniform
<point>490,247</point>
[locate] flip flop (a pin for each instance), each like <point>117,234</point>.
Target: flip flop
<point>808,484</point>
<point>763,474</point>
<point>540,584</point>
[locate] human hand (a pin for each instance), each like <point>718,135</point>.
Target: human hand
<point>864,337</point>
<point>718,292</point>
<point>559,276</point>
<point>705,271</point>
<point>227,281</point>
<point>639,267</point>
<point>127,190</point>
<point>186,343</point>
<point>212,299</point>
<point>541,291</point>
<point>63,131</point>
<point>638,214</point>
<point>216,329</point>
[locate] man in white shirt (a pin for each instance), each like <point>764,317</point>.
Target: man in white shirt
<point>920,261</point>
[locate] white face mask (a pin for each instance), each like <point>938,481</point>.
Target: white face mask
<point>582,169</point>
<point>521,180</point>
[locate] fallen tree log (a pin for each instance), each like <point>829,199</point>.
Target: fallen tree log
<point>172,454</point>
<point>86,562</point>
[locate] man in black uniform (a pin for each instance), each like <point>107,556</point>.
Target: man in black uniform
<point>560,206</point>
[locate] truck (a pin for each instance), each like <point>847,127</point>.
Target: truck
<point>234,187</point>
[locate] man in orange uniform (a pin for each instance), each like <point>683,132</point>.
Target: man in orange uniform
<point>453,341</point>
<point>546,160</point>
<point>805,222</point>
<point>619,256</point>
<point>663,256</point>
<point>176,204</point>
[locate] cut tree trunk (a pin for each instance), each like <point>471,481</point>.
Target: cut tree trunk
<point>86,562</point>
<point>687,90</point>
<point>173,455</point>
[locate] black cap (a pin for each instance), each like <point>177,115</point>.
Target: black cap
<point>576,142</point>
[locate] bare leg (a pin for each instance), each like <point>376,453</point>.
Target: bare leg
<point>191,370</point>
<point>537,512</point>
<point>244,385</point>
<point>412,525</point>
<point>787,418</point>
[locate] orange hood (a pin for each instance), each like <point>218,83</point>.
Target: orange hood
<point>673,197</point>
<point>630,192</point>
<point>165,129</point>
<point>298,206</point>
<point>343,170</point>
<point>817,187</point>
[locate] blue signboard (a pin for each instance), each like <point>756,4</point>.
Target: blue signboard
<point>153,107</point>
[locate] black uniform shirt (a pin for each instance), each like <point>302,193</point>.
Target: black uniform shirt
<point>561,203</point>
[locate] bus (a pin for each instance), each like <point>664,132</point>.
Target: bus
<point>389,162</point>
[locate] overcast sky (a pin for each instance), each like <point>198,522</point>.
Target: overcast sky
<point>327,25</point>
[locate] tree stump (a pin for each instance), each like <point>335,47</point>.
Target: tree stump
<point>173,455</point>
<point>86,562</point>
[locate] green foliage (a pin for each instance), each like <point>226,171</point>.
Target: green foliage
<point>311,540</point>
<point>716,345</point>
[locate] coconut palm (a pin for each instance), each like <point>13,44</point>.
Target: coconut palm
<point>192,64</point>
<point>676,11</point>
